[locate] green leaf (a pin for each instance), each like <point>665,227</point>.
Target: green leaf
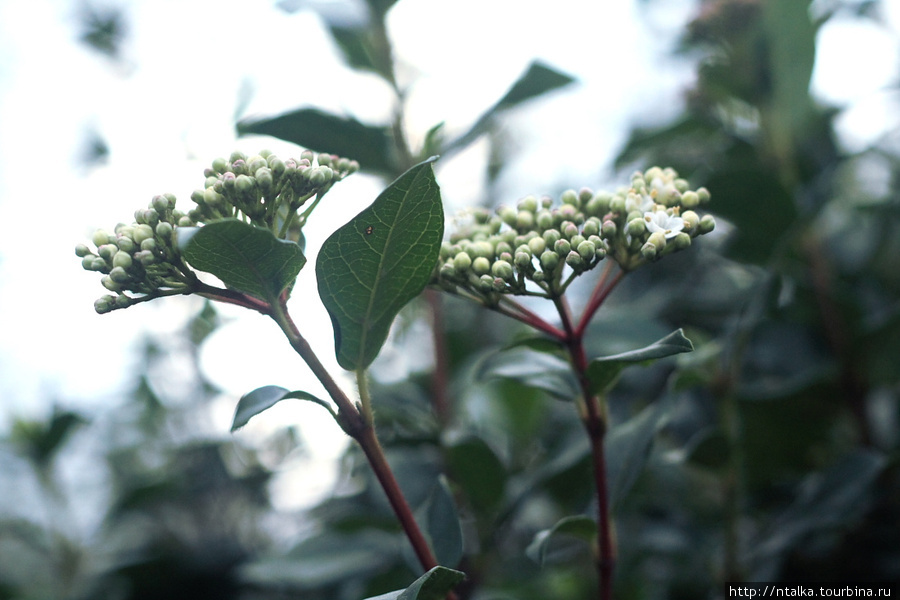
<point>264,398</point>
<point>535,369</point>
<point>371,145</point>
<point>478,471</point>
<point>383,258</point>
<point>604,371</point>
<point>433,585</point>
<point>555,545</point>
<point>244,257</point>
<point>537,80</point>
<point>440,523</point>
<point>627,447</point>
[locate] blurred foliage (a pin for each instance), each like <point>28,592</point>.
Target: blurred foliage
<point>769,453</point>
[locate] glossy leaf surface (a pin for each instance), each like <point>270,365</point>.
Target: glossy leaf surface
<point>264,398</point>
<point>603,371</point>
<point>246,258</point>
<point>433,585</point>
<point>372,266</point>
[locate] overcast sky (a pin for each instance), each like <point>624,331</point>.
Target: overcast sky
<point>166,108</point>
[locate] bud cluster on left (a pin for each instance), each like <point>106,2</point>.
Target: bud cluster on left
<point>141,258</point>
<point>144,258</point>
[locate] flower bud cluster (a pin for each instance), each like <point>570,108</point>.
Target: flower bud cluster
<point>141,258</point>
<point>266,189</point>
<point>141,261</point>
<point>538,247</point>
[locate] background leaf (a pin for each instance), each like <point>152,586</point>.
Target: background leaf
<point>263,398</point>
<point>371,145</point>
<point>603,371</point>
<point>372,266</point>
<point>538,79</point>
<point>555,545</point>
<point>440,521</point>
<point>628,446</point>
<point>244,257</point>
<point>433,585</point>
<point>533,368</point>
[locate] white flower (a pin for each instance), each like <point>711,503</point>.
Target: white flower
<point>662,221</point>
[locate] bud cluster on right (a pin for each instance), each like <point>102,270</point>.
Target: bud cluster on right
<point>537,248</point>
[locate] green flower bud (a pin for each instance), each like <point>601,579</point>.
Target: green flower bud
<point>485,249</point>
<point>587,250</point>
<point>211,196</point>
<point>690,199</point>
<point>122,301</point>
<point>149,245</point>
<point>537,245</point>
<point>538,276</point>
<point>100,238</point>
<point>599,204</point>
<point>658,239</point>
<point>508,215</point>
<point>584,196</point>
<point>151,217</point>
<point>276,164</point>
<point>681,241</point>
<point>524,219</point>
<point>220,165</point>
<point>353,167</point>
<point>574,260</point>
<point>198,196</point>
<point>528,204</point>
<point>185,222</point>
<point>502,269</point>
<point>109,284</point>
<point>681,185</point>
<point>591,227</point>
<point>507,256</point>
<point>707,224</point>
<point>481,265</point>
<point>617,204</point>
<point>608,229</point>
<point>244,184</point>
<point>98,264</point>
<point>141,233</point>
<point>544,220</point>
<point>237,155</point>
<point>121,260</point>
<point>636,227</point>
<point>549,260</point>
<point>575,240</point>
<point>145,257</point>
<point>648,251</point>
<point>600,253</point>
<point>324,159</point>
<point>567,212</point>
<point>551,236</point>
<point>462,262</point>
<point>101,305</point>
<point>485,284</point>
<point>703,195</point>
<point>164,230</point>
<point>569,197</point>
<point>107,251</point>
<point>691,220</point>
<point>562,247</point>
<point>448,271</point>
<point>82,251</point>
<point>446,250</point>
<point>160,204</point>
<point>87,263</point>
<point>523,260</point>
<point>118,273</point>
<point>503,247</point>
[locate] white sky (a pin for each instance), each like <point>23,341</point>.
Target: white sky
<point>167,110</point>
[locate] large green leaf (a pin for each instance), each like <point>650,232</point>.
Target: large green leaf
<point>559,543</point>
<point>433,585</point>
<point>260,399</point>
<point>536,369</point>
<point>372,266</point>
<point>627,447</point>
<point>477,469</point>
<point>371,145</point>
<point>538,79</point>
<point>246,258</point>
<point>439,520</point>
<point>604,371</point>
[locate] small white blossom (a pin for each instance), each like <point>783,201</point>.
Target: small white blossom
<point>660,220</point>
